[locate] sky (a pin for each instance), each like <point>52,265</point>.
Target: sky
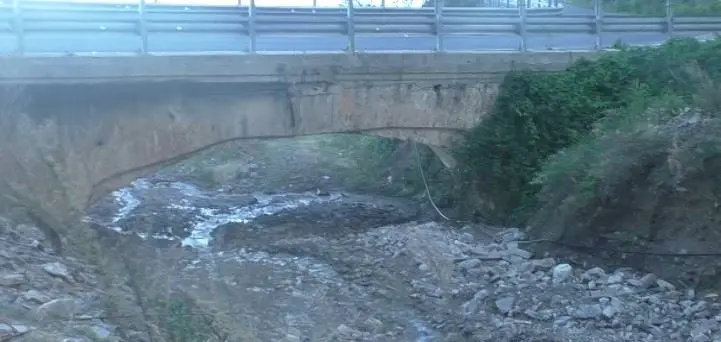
<point>265,3</point>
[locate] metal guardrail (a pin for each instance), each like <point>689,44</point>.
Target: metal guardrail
<point>142,20</point>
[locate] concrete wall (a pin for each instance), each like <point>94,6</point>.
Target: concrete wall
<point>73,129</point>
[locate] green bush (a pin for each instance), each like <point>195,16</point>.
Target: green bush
<point>539,114</point>
<point>651,147</point>
<point>371,153</point>
<point>181,323</point>
<point>391,167</point>
<point>657,7</point>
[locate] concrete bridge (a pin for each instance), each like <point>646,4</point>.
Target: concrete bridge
<point>74,128</point>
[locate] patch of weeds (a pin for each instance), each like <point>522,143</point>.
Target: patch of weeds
<point>181,323</point>
<point>648,149</point>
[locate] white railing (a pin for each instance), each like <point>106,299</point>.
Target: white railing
<point>143,21</point>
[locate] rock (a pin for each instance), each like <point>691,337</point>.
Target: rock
<point>613,308</point>
<point>42,336</point>
<point>474,305</point>
<point>228,172</point>
<point>609,312</point>
<point>322,193</point>
<point>588,311</point>
<point>690,293</point>
<point>35,296</point>
<point>467,237</point>
<point>63,308</point>
<point>561,272</point>
<point>543,315</point>
<point>30,233</point>
<point>648,280</point>
<point>511,234</point>
<point>21,329</point>
<point>615,278</point>
<point>664,285</point>
<point>12,279</point>
<point>593,274</point>
<point>544,264</point>
<point>469,264</point>
<point>505,304</point>
<point>5,225</point>
<point>520,253</point>
<point>372,324</point>
<point>58,270</point>
<point>645,282</point>
<point>562,320</point>
<point>347,333</point>
<point>101,332</point>
<point>292,338</point>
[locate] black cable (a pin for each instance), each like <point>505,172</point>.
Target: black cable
<point>614,250</point>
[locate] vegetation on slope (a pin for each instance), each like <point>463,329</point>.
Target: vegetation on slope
<point>657,7</point>
<point>539,115</point>
<point>391,167</point>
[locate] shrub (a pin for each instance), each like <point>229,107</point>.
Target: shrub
<point>378,160</point>
<point>651,147</point>
<point>657,7</point>
<point>182,323</point>
<point>539,114</point>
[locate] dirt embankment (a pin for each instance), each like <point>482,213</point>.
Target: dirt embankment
<point>655,192</point>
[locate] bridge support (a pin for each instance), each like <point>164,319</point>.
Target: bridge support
<point>64,147</point>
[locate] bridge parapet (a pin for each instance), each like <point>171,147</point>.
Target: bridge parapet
<point>281,68</point>
<point>48,27</point>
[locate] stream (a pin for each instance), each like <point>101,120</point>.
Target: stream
<point>281,257</point>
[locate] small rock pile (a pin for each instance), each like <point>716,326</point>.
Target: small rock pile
<point>505,294</point>
<point>408,282</point>
<point>45,297</point>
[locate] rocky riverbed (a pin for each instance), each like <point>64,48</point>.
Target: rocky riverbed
<point>223,264</point>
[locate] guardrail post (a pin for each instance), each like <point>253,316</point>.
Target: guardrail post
<point>251,27</point>
<point>439,24</point>
<point>143,28</point>
<point>522,25</point>
<point>669,19</point>
<point>18,28</point>
<point>351,27</point>
<point>597,23</point>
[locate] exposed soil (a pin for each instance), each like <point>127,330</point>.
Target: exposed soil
<point>671,232</point>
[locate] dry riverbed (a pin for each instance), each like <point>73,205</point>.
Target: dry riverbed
<point>274,249</point>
